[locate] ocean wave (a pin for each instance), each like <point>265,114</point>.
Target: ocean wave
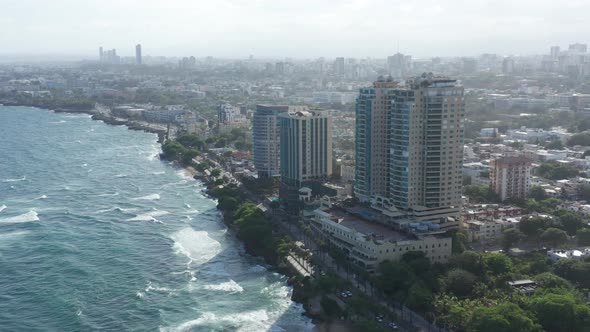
<point>41,197</point>
<point>151,197</point>
<point>2,208</point>
<point>151,288</point>
<point>197,246</point>
<point>60,121</point>
<point>25,217</point>
<point>230,286</point>
<point>158,173</point>
<point>149,216</point>
<point>13,235</point>
<point>15,180</point>
<point>121,175</point>
<point>256,320</point>
<point>116,193</point>
<point>118,209</point>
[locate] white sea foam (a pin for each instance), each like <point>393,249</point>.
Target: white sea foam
<point>196,245</point>
<point>26,217</point>
<point>116,193</point>
<point>257,320</point>
<point>2,208</point>
<point>118,209</point>
<point>230,286</point>
<point>84,164</point>
<point>15,180</point>
<point>151,197</point>
<point>140,295</point>
<point>121,175</point>
<point>151,288</point>
<point>61,121</point>
<point>41,197</point>
<point>149,216</point>
<point>158,173</point>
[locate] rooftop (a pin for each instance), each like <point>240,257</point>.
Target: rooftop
<point>382,232</point>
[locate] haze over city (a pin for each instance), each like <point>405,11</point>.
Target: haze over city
<point>305,28</point>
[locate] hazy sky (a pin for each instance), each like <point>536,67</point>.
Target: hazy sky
<point>294,28</point>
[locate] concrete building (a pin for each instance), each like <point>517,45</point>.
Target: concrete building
<point>369,243</point>
<point>230,117</point>
<point>305,153</point>
<point>265,139</point>
<point>409,146</point>
<point>510,177</point>
<point>372,146</point>
<point>138,58</point>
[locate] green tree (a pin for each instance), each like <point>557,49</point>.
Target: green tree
<point>419,297</point>
<point>579,139</point>
<point>537,193</point>
<point>469,261</point>
<point>583,236</point>
<point>460,282</point>
<point>555,145</point>
<point>506,317</point>
<point>215,172</point>
<point>498,264</point>
<point>570,221</point>
<point>532,226</point>
<point>330,306</point>
<point>510,237</point>
<point>550,280</point>
<point>584,189</point>
<point>560,312</point>
<point>554,236</point>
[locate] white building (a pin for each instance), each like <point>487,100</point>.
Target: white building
<point>577,254</point>
<point>369,243</point>
<point>510,177</point>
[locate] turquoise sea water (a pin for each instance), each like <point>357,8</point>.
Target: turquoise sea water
<point>96,233</point>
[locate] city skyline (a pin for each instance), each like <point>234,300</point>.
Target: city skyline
<point>330,29</point>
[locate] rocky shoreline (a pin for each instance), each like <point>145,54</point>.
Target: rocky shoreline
<point>96,115</point>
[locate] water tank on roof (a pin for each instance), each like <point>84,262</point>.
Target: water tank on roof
<point>434,226</point>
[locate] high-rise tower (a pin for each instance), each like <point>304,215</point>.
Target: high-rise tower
<point>138,59</point>
<point>421,150</point>
<point>306,153</point>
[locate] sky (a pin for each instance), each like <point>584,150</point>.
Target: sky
<point>294,28</point>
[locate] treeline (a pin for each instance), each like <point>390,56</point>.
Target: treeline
<point>253,227</point>
<point>471,292</point>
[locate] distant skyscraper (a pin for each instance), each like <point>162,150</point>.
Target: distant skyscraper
<point>339,66</point>
<point>100,54</point>
<point>305,153</point>
<point>399,65</point>
<point>578,48</point>
<point>554,52</point>
<point>138,59</point>
<point>508,66</point>
<point>423,151</point>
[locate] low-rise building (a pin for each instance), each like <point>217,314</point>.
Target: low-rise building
<point>369,243</point>
<point>577,254</point>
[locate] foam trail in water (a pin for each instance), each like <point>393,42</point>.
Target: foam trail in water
<point>15,180</point>
<point>151,197</point>
<point>149,216</point>
<point>257,320</point>
<point>26,217</point>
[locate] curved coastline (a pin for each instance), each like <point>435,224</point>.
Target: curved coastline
<point>319,324</point>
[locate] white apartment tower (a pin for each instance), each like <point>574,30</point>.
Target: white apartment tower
<point>510,177</point>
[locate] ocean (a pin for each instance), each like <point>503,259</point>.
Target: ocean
<point>96,233</point>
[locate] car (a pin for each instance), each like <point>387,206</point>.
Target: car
<point>393,326</point>
<point>344,295</point>
<point>349,293</point>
